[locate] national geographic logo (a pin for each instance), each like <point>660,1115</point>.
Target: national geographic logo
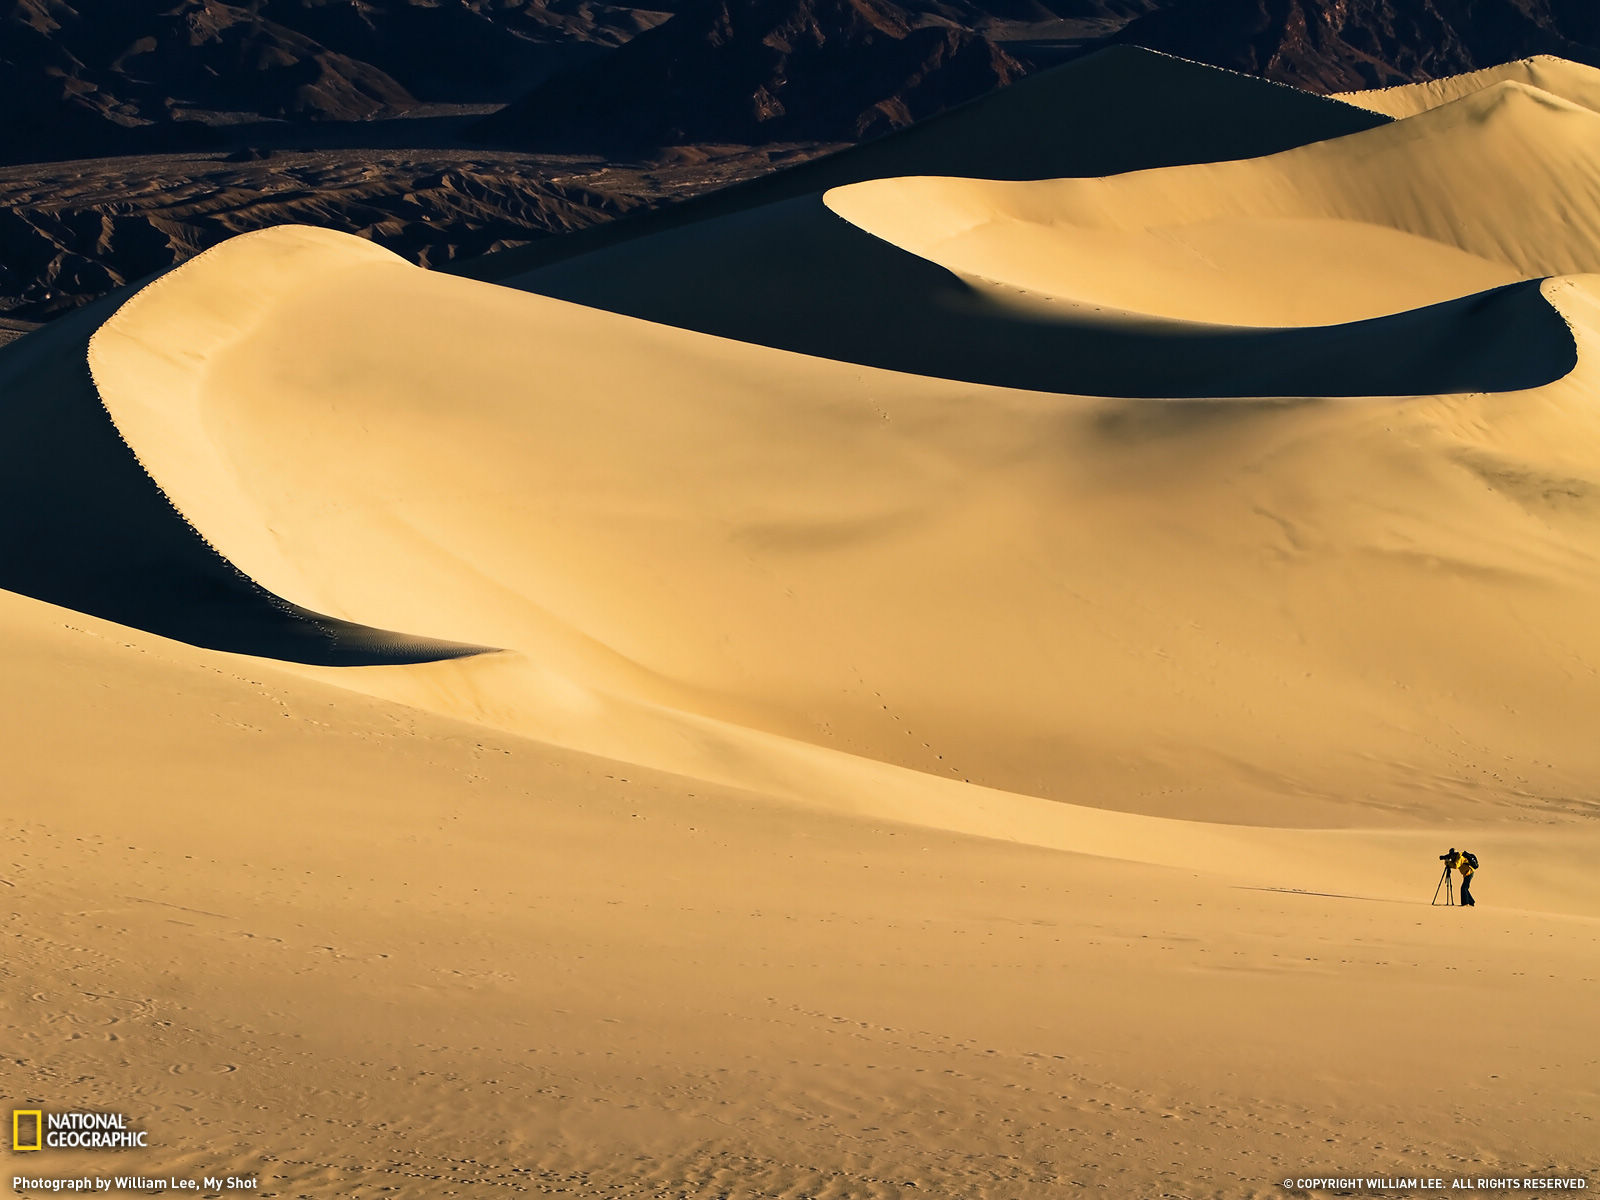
<point>27,1129</point>
<point>35,1129</point>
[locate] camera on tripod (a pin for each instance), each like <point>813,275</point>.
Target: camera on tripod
<point>1464,861</point>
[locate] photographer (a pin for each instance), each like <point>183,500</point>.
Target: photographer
<point>1466,862</point>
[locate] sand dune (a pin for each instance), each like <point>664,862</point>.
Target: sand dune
<point>638,526</point>
<point>1493,188</point>
<point>950,778</point>
<point>1571,81</point>
<point>94,533</point>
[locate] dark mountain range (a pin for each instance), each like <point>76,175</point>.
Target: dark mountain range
<point>465,51</point>
<point>764,71</point>
<point>1342,45</point>
<point>115,77</point>
<point>74,76</point>
<point>992,16</point>
<point>760,71</point>
<point>105,77</point>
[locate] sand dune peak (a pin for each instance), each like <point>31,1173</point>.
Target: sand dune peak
<point>1575,82</point>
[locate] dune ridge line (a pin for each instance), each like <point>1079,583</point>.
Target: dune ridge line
<point>408,647</point>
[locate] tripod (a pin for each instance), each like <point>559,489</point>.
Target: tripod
<point>1449,886</point>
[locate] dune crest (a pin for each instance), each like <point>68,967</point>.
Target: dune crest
<point>1479,192</point>
<point>1574,82</point>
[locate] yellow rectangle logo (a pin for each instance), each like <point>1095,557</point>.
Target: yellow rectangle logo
<point>22,1140</point>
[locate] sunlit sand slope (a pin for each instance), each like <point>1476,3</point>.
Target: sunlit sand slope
<point>1571,81</point>
<point>354,948</point>
<point>1502,184</point>
<point>1281,610</point>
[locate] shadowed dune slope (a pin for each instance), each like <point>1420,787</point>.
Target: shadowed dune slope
<point>797,277</point>
<point>1575,82</point>
<point>89,530</point>
<point>1121,109</point>
<point>710,555</point>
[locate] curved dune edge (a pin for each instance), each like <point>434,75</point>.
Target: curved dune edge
<point>183,428</point>
<point>335,641</point>
<point>1306,255</point>
<point>800,278</point>
<point>348,643</point>
<point>95,533</point>
<point>1484,190</point>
